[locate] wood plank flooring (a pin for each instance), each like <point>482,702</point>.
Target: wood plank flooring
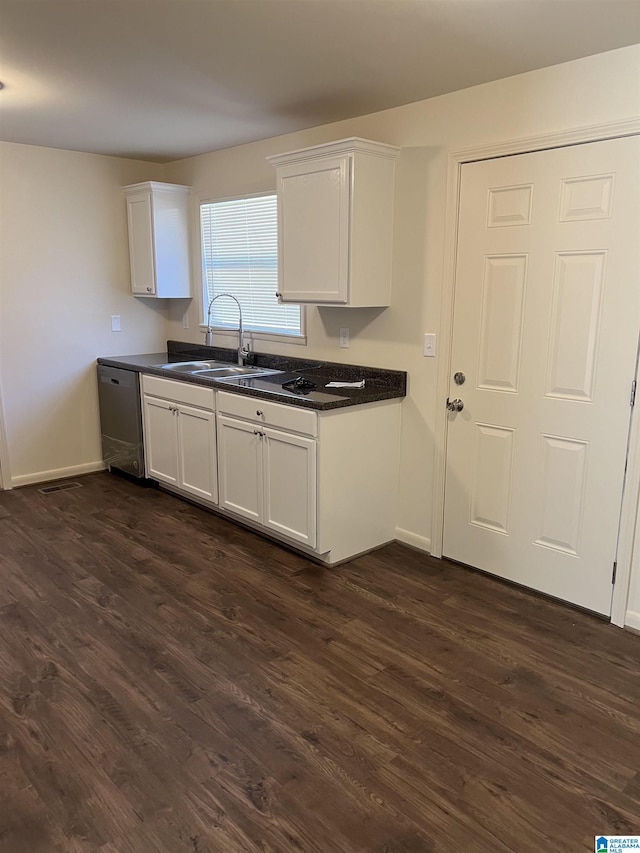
<point>170,682</point>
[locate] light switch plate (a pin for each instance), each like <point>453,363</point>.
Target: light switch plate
<point>429,345</point>
<point>115,323</point>
<point>344,337</point>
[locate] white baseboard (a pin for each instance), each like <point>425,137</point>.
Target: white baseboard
<point>632,620</point>
<point>57,474</point>
<point>422,543</point>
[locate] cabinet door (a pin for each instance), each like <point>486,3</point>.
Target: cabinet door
<point>239,467</point>
<point>197,453</point>
<point>160,440</point>
<point>289,465</point>
<point>141,247</point>
<point>313,230</point>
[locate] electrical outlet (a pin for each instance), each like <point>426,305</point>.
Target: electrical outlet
<point>115,323</point>
<point>430,346</point>
<point>185,320</point>
<point>344,338</point>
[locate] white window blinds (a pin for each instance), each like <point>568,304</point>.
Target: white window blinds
<point>240,256</point>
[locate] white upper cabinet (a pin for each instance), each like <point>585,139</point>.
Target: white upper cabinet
<point>335,223</point>
<point>158,219</point>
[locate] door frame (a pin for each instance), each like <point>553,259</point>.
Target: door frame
<point>631,493</point>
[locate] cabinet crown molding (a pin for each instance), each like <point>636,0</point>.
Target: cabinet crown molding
<point>353,144</point>
<point>156,185</point>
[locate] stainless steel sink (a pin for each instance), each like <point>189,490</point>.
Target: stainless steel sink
<point>216,369</point>
<point>238,370</point>
<point>194,366</point>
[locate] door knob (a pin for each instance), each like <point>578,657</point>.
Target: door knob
<point>455,405</point>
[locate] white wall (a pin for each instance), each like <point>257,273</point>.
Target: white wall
<point>597,89</point>
<point>63,272</point>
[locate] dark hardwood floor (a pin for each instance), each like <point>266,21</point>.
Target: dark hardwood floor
<point>170,682</point>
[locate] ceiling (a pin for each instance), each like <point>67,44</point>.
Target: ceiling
<point>166,79</point>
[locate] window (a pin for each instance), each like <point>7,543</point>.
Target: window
<point>240,256</point>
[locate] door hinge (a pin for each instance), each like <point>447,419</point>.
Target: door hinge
<point>613,574</point>
<point>633,393</point>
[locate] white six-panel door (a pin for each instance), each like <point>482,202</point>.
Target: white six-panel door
<point>546,325</point>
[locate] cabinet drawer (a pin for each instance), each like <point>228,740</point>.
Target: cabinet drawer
<point>273,414</point>
<point>180,392</point>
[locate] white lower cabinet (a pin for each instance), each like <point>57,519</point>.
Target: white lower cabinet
<point>325,481</point>
<point>239,467</point>
<point>269,477</point>
<point>161,440</point>
<point>322,481</point>
<point>180,438</point>
<point>197,452</point>
<point>289,470</point>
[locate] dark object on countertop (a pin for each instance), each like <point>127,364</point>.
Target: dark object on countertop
<point>299,384</point>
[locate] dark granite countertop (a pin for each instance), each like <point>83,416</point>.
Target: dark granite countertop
<point>380,384</point>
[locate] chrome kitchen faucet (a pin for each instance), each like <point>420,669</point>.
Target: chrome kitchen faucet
<point>243,351</point>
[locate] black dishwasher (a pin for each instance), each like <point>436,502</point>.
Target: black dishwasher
<point>121,419</point>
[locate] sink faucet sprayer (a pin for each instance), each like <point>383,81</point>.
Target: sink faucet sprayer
<point>243,351</point>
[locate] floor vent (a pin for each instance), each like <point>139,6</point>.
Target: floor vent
<point>60,487</point>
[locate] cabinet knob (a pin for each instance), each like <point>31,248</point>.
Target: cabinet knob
<point>149,289</point>
<point>278,294</point>
<point>259,413</point>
